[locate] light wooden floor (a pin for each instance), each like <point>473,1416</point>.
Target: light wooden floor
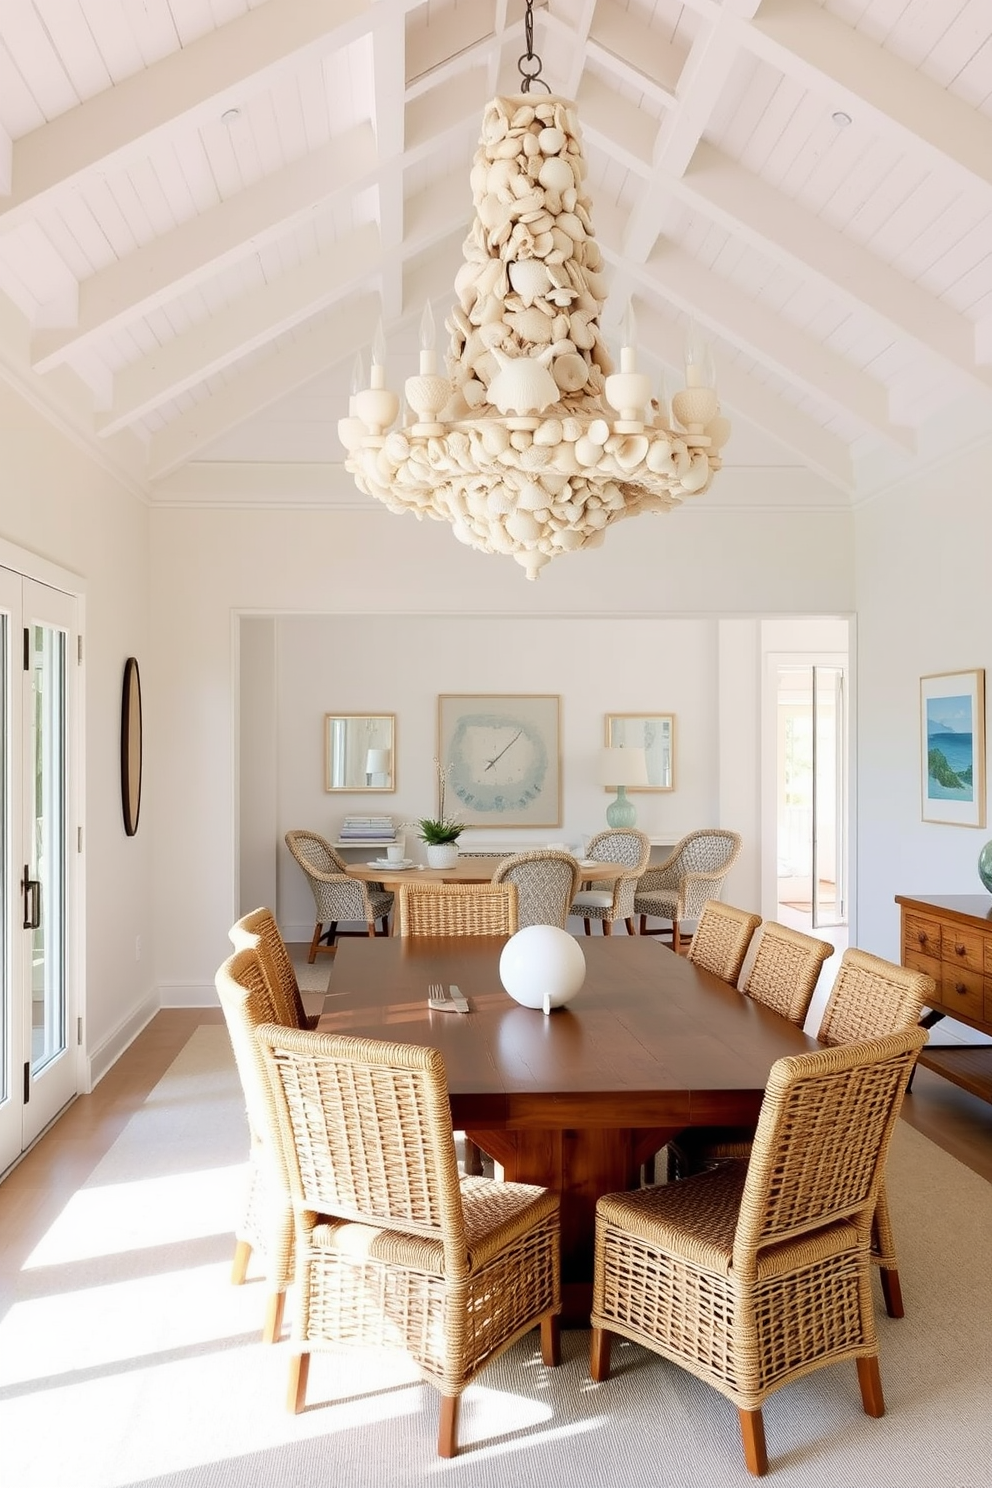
<point>37,1189</point>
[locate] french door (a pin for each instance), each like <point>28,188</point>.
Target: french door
<point>38,1036</point>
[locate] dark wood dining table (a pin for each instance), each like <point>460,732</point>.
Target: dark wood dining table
<point>577,1100</point>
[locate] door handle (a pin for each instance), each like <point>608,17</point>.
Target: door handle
<point>32,900</point>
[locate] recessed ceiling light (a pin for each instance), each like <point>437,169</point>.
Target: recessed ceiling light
<point>230,116</point>
<point>841,119</point>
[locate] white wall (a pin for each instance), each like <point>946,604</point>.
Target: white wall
<point>923,554</point>
<point>414,614</point>
<point>57,504</point>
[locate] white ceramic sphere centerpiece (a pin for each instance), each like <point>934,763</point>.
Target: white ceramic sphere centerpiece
<point>542,966</point>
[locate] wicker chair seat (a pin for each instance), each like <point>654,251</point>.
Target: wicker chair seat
<point>612,902</point>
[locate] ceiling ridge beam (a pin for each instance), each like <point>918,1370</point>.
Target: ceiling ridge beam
<point>197,82</point>
<point>176,262</point>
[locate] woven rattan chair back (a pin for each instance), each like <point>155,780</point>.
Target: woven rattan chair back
<point>624,845</point>
<point>695,871</point>
<point>258,931</point>
<point>458,909</point>
<point>267,1226</point>
<point>721,941</point>
<point>814,1102</point>
<point>547,881</point>
<point>610,902</point>
<point>871,997</point>
<point>407,1257</point>
<point>785,970</point>
<point>336,896</point>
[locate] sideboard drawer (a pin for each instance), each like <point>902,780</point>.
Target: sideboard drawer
<point>962,991</point>
<point>962,947</point>
<point>916,961</point>
<point>922,936</point>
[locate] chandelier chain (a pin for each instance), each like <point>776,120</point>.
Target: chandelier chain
<point>530,65</point>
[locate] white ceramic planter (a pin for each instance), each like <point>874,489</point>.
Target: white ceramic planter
<point>442,855</point>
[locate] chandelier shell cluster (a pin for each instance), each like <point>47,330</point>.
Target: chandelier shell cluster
<point>532,445</point>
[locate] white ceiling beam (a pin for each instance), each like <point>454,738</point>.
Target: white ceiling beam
<point>634,52</point>
<point>177,261</point>
<point>803,243</point>
<point>259,386</point>
<point>616,125</point>
<point>805,41</point>
<point>575,36</point>
<point>192,84</point>
<point>782,421</point>
<point>388,122</point>
<point>464,30</point>
<point>281,305</point>
<point>672,275</point>
<point>248,323</point>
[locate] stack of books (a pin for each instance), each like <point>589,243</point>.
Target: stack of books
<point>368,829</point>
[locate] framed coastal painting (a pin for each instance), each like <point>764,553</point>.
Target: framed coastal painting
<point>502,758</point>
<point>655,734</point>
<point>952,746</point>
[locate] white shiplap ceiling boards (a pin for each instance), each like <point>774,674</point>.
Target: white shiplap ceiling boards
<point>206,204</point>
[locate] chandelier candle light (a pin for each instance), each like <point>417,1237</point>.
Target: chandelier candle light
<point>532,445</point>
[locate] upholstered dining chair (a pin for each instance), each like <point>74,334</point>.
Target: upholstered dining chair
<point>452,1271</point>
<point>258,930</point>
<point>677,889</point>
<point>458,909</point>
<point>547,881</point>
<point>722,938</point>
<point>870,998</point>
<point>615,901</point>
<point>758,1272</point>
<point>338,897</point>
<point>266,1226</point>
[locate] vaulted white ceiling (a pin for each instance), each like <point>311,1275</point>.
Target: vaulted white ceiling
<point>205,205</point>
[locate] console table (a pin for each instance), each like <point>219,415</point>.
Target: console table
<point>949,936</point>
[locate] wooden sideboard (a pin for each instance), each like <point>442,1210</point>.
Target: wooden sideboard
<point>949,936</point>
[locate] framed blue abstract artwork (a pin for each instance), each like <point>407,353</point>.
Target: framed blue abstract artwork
<point>952,746</point>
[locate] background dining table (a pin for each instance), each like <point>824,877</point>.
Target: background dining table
<point>468,870</point>
<point>579,1099</point>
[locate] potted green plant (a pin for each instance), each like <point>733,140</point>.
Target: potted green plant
<point>440,833</point>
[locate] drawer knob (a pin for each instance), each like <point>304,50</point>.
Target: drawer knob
<point>922,937</point>
<point>959,950</point>
<point>959,987</point>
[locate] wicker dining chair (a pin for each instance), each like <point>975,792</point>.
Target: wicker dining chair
<point>870,998</point>
<point>783,976</point>
<point>266,1227</point>
<point>258,930</point>
<point>612,902</point>
<point>758,1272</point>
<point>338,897</point>
<point>694,872</point>
<point>547,881</point>
<point>458,909</point>
<point>722,938</point>
<point>452,1271</point>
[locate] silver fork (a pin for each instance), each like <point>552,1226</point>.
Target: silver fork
<point>437,997</point>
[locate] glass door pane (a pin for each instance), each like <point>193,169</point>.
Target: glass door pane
<point>829,786</point>
<point>45,907</point>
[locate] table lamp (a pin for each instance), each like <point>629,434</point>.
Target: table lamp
<point>619,769</point>
<point>376,763</point>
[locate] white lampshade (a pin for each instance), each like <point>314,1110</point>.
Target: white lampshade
<point>623,767</point>
<point>377,762</point>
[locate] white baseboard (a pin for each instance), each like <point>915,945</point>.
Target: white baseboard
<point>102,1058</point>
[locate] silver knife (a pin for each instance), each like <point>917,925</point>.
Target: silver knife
<point>458,1000</point>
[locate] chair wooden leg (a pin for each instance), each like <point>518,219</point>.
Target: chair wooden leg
<point>318,930</point>
<point>370,928</point>
<point>607,927</point>
<point>644,924</point>
<point>676,938</point>
<point>588,930</point>
<point>239,1266</point>
<point>892,1292</point>
<point>753,1439</point>
<point>630,927</point>
<point>871,1386</point>
<point>447,1431</point>
<point>272,1326</point>
<point>299,1369</point>
<point>551,1339</point>
<point>473,1159</point>
<point>599,1354</point>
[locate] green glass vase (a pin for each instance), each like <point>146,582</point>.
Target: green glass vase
<point>985,866</point>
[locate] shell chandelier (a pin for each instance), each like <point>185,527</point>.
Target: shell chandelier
<point>532,445</point>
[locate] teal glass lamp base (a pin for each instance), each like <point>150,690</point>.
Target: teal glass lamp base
<point>985,866</point>
<point>621,813</point>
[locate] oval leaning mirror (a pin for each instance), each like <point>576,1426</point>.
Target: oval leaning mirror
<point>131,746</point>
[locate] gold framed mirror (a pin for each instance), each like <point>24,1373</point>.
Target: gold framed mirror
<point>360,751</point>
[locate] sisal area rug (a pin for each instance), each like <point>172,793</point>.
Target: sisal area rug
<point>127,1360</point>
